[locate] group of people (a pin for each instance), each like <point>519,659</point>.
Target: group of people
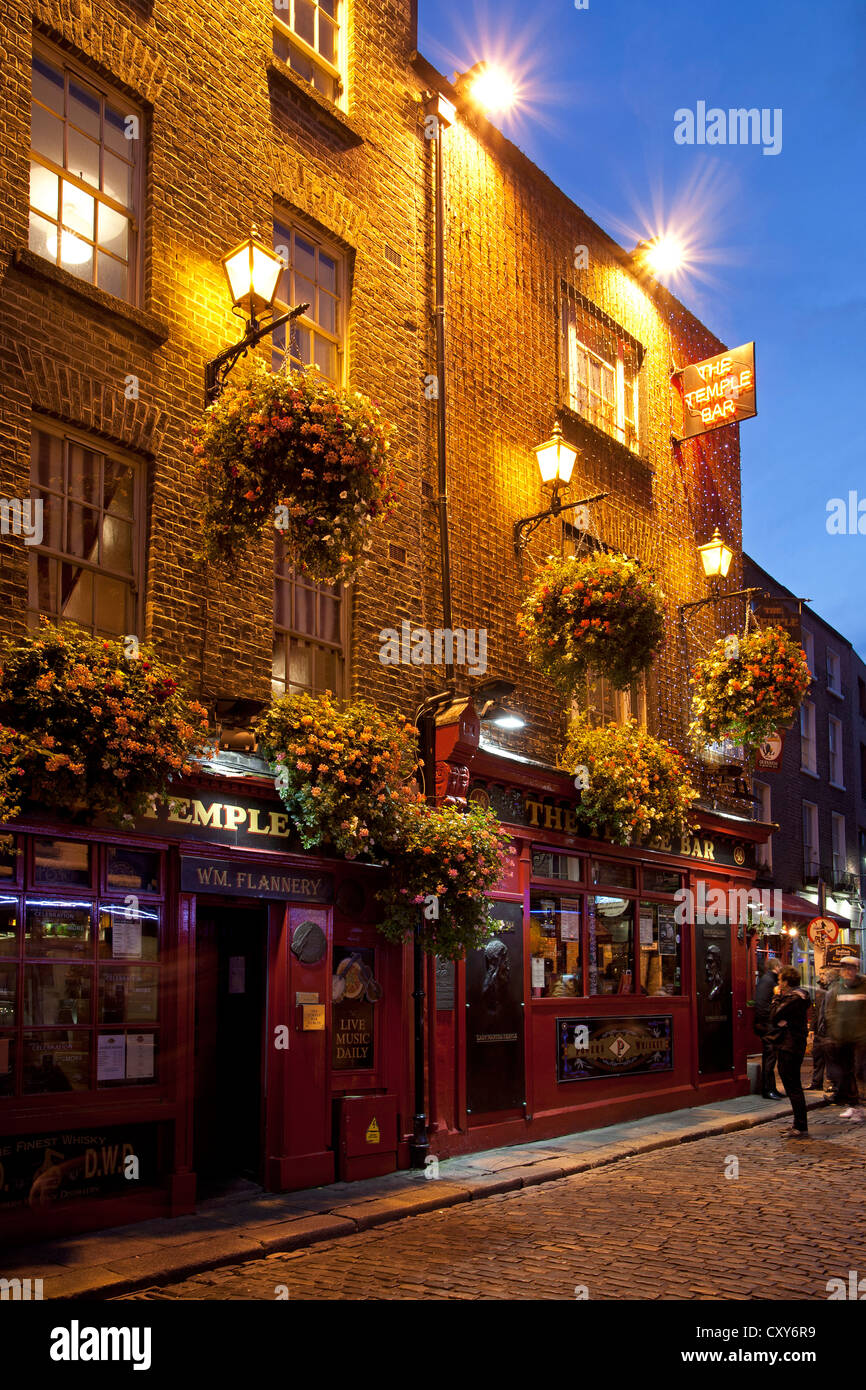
<point>782,1008</point>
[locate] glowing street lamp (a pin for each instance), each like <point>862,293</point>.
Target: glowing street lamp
<point>662,255</point>
<point>556,459</point>
<point>716,557</point>
<point>252,271</point>
<point>491,88</point>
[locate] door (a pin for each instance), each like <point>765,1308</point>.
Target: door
<point>231,1003</point>
<point>494,1028</point>
<point>715,998</point>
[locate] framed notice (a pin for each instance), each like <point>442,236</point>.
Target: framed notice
<point>587,1048</point>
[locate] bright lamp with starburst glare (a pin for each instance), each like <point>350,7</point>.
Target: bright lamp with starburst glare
<point>493,89</point>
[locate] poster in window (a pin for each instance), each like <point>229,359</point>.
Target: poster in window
<point>593,1047</point>
<point>667,932</point>
<point>354,994</point>
<point>569,920</point>
<point>111,1057</point>
<point>140,1056</point>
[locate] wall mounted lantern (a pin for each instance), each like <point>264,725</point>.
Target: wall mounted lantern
<point>556,460</point>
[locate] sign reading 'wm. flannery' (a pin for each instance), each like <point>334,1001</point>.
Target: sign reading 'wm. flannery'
<point>239,877</point>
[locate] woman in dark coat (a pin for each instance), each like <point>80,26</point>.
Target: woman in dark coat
<point>788,1025</point>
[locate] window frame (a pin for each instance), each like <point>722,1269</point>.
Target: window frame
<point>811,866</point>
<point>95,444</point>
<point>835,729</point>
<point>808,740</point>
<point>764,794</point>
<point>135,214</point>
<point>834,667</point>
<point>336,72</point>
<point>808,640</point>
<point>836,820</point>
<point>343,597</point>
<point>294,226</point>
<point>572,305</point>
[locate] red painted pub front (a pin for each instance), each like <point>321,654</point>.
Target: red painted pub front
<point>197,1002</point>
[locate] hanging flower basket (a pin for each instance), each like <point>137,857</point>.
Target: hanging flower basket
<point>94,732</point>
<point>290,450</point>
<point>601,612</point>
<point>453,856</point>
<point>339,769</point>
<point>752,696</point>
<point>639,787</point>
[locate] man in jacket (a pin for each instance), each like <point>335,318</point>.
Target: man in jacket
<point>788,1025</point>
<point>845,1012</point>
<point>764,991</point>
<point>819,1080</point>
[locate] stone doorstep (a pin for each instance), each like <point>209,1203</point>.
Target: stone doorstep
<point>171,1253</point>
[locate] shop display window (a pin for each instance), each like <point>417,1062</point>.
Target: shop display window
<point>662,880</point>
<point>555,946</point>
<point>660,950</point>
<point>8,859</point>
<point>611,945</point>
<point>547,863</point>
<point>79,987</point>
<point>608,872</point>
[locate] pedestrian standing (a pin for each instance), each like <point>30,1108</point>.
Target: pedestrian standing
<point>789,1026</point>
<point>819,1080</point>
<point>764,991</point>
<point>846,1032</point>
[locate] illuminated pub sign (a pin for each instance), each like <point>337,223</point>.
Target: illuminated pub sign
<point>718,391</point>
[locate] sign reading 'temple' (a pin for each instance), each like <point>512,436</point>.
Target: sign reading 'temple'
<point>718,391</point>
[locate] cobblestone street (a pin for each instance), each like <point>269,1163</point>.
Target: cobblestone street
<point>664,1225</point>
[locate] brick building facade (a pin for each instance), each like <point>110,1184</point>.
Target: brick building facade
<point>152,138</point>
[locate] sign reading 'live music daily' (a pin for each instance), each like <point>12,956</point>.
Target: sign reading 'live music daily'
<point>718,391</point>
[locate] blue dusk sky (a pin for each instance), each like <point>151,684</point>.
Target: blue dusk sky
<point>775,241</point>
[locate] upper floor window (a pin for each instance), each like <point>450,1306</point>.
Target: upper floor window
<point>307,37</point>
<point>313,274</point>
<point>811,857</point>
<point>834,735</point>
<point>763,798</point>
<point>309,632</point>
<point>809,649</point>
<point>86,568</point>
<point>600,365</point>
<point>861,696</point>
<point>85,177</point>
<point>834,672</point>
<point>840,847</point>
<point>604,704</point>
<point>808,745</point>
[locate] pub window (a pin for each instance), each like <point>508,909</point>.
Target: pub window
<point>834,672</point>
<point>79,985</point>
<point>662,880</point>
<point>763,797</point>
<point>548,863</point>
<point>307,38</point>
<point>554,945</point>
<point>834,740</point>
<point>85,566</point>
<point>603,704</point>
<point>611,945</point>
<point>313,273</point>
<point>600,367</point>
<point>811,862</point>
<point>309,632</point>
<point>659,957</point>
<point>609,872</point>
<point>839,846</point>
<point>809,649</point>
<point>85,176</point>
<point>808,742</point>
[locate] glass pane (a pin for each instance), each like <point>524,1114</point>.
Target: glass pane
<point>282,603</point>
<point>8,995</point>
<point>52,520</point>
<point>76,256</point>
<point>300,666</point>
<point>278,669</point>
<point>659,938</point>
<point>9,856</point>
<point>113,605</point>
<point>8,927</point>
<point>56,1061</point>
<point>78,210</point>
<point>119,488</point>
<point>43,585</point>
<point>132,868</point>
<point>47,84</point>
<point>128,994</point>
<point>44,189</point>
<point>329,619</point>
<point>7,1066</point>
<point>282,47</point>
<point>82,532</point>
<point>113,231</point>
<point>326,358</point>
<point>114,131</point>
<point>116,544</point>
<point>328,7</point>
<point>327,273</point>
<point>620,874</point>
<point>327,40</point>
<point>305,293</point>
<point>129,932</point>
<point>554,945</point>
<point>85,474</point>
<point>548,864</point>
<point>137,1060</point>
<point>57,929</point>
<point>305,609</point>
<point>300,345</point>
<point>327,312</point>
<point>46,134</point>
<point>112,276</point>
<point>46,459</point>
<point>83,108</point>
<point>76,595</point>
<point>305,259</point>
<point>57,994</point>
<point>328,670</point>
<point>614,941</point>
<point>61,861</point>
<point>661,880</point>
<point>82,157</point>
<point>305,20</point>
<point>300,63</point>
<point>117,179</point>
<point>42,238</point>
